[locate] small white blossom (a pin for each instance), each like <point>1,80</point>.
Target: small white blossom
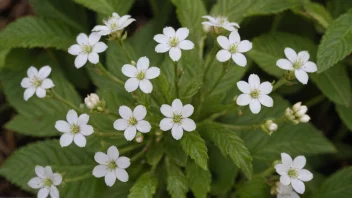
<point>132,121</point>
<point>173,42</point>
<point>233,47</point>
<point>292,172</point>
<point>46,181</point>
<point>254,94</point>
<point>75,129</point>
<point>298,63</point>
<point>87,49</point>
<point>140,76</point>
<point>111,166</point>
<point>113,24</point>
<point>92,100</point>
<point>297,114</point>
<point>37,82</point>
<point>177,118</point>
<point>285,191</point>
<point>220,21</point>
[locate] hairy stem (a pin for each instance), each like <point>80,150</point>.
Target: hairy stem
<point>125,51</point>
<point>108,74</point>
<point>279,83</point>
<point>78,178</point>
<point>56,96</point>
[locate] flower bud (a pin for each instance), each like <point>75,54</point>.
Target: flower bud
<point>302,111</point>
<point>92,100</point>
<point>206,28</point>
<point>304,118</point>
<point>297,106</point>
<point>139,137</point>
<point>272,127</point>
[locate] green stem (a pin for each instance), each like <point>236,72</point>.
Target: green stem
<point>63,100</point>
<point>276,22</point>
<point>242,127</point>
<point>176,78</point>
<point>108,74</point>
<point>125,51</point>
<point>129,148</point>
<point>267,172</point>
<point>144,150</point>
<point>111,134</point>
<point>208,65</point>
<point>78,178</point>
<point>315,100</point>
<point>223,72</point>
<point>279,83</point>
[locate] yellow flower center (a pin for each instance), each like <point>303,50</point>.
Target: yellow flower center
<point>298,64</point>
<point>174,42</point>
<point>132,121</point>
<point>112,165</point>
<point>233,48</point>
<point>293,173</point>
<point>36,82</point>
<point>47,182</point>
<point>255,93</point>
<point>74,129</point>
<point>140,75</point>
<point>177,118</point>
<point>87,49</point>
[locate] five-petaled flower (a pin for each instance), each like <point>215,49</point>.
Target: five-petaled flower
<point>254,93</point>
<point>292,172</point>
<point>113,24</point>
<point>74,129</point>
<point>132,121</point>
<point>233,47</point>
<point>220,21</point>
<point>285,191</point>
<point>177,118</point>
<point>111,166</point>
<point>173,42</point>
<point>87,49</point>
<point>140,76</point>
<point>46,181</point>
<point>37,82</point>
<point>298,63</point>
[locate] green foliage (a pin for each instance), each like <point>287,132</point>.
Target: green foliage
<point>345,114</point>
<point>257,187</point>
<point>177,184</point>
<point>107,7</point>
<point>199,180</point>
<point>317,12</point>
<point>336,43</point>
<point>195,147</point>
<point>144,187</point>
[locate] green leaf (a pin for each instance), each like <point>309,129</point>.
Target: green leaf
<point>345,113</point>
<point>107,7</point>
<point>257,187</point>
<point>199,180</point>
<point>195,147</point>
<point>70,162</point>
<point>174,151</point>
<point>336,43</point>
<point>155,154</point>
<point>265,7</point>
<point>191,88</point>
<point>3,54</point>
<point>144,187</point>
<point>229,144</point>
<point>30,32</point>
<point>119,189</point>
<point>338,7</point>
<point>335,84</point>
<point>177,184</point>
<point>316,12</point>
<point>338,185</point>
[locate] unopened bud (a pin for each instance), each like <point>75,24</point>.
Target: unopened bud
<point>139,137</point>
<point>295,121</point>
<point>304,118</point>
<point>206,28</point>
<point>272,127</point>
<point>302,111</point>
<point>133,63</point>
<point>92,100</point>
<point>297,106</point>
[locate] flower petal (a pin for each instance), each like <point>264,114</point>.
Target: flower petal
<point>100,171</point>
<point>309,67</point>
<point>281,169</point>
<point>143,63</point>
<point>254,106</point>
<point>80,140</point>
<point>86,130</point>
<point>175,53</point>
<point>139,112</point>
<point>166,124</point>
<point>93,58</point>
<point>82,39</point>
<point>177,106</point>
<point>223,42</point>
<point>169,31</point>
<point>129,70</point>
<point>291,55</point>
<point>243,99</point>
<point>54,192</point>
<point>48,171</point>
<point>239,59</point>
<point>303,56</point>
<point>80,60</point>
<point>284,64</point>
<point>186,45</point>
<point>72,117</point>
<point>100,47</point>
<point>113,153</point>
<point>161,38</point>
<point>101,158</point>
<point>254,81</point>
<point>299,162</point>
<point>244,46</point>
<point>120,124</point>
<point>266,100</point>
<point>29,93</point>
<point>286,159</point>
<point>47,84</point>
<point>44,72</point>
<point>83,119</point>
<point>301,76</point>
<point>188,124</point>
<point>143,126</point>
<point>93,38</point>
<point>40,92</point>
<point>56,178</point>
<point>39,170</point>
<point>152,73</point>
<point>43,193</point>
<point>182,33</point>
<point>36,183</point>
<point>26,83</point>
<point>130,133</point>
<point>62,126</point>
<point>187,111</point>
<point>123,162</point>
<point>110,178</point>
<point>32,72</point>
<point>131,84</point>
<point>102,30</point>
<point>305,175</point>
<point>75,49</point>
<point>146,86</point>
<point>121,174</point>
<point>66,139</point>
<point>166,110</point>
<point>298,186</point>
<point>234,37</point>
<point>244,87</point>
<point>177,132</point>
<point>162,48</point>
<point>223,55</point>
<point>285,180</point>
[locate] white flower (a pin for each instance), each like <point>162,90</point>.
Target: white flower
<point>173,42</point>
<point>87,49</point>
<point>233,47</point>
<point>177,118</point>
<point>286,192</point>
<point>74,129</point>
<point>292,172</point>
<point>132,121</point>
<point>46,181</point>
<point>254,93</point>
<point>220,21</point>
<point>113,24</point>
<point>111,166</point>
<point>92,100</point>
<point>297,63</point>
<point>297,114</point>
<point>37,82</point>
<point>140,75</point>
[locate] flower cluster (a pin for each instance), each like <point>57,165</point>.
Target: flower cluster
<point>46,181</point>
<point>297,114</point>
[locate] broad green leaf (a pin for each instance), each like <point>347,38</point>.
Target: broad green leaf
<point>3,54</point>
<point>119,189</point>
<point>107,7</point>
<point>199,180</point>
<point>144,187</point>
<point>345,113</point>
<point>335,84</point>
<point>257,187</point>
<point>191,88</point>
<point>265,7</point>
<point>174,151</point>
<point>155,154</point>
<point>338,7</point>
<point>30,32</point>
<point>195,147</point>
<point>338,185</point>
<point>64,10</point>
<point>177,184</point>
<point>229,144</point>
<point>336,43</point>
<point>316,12</point>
